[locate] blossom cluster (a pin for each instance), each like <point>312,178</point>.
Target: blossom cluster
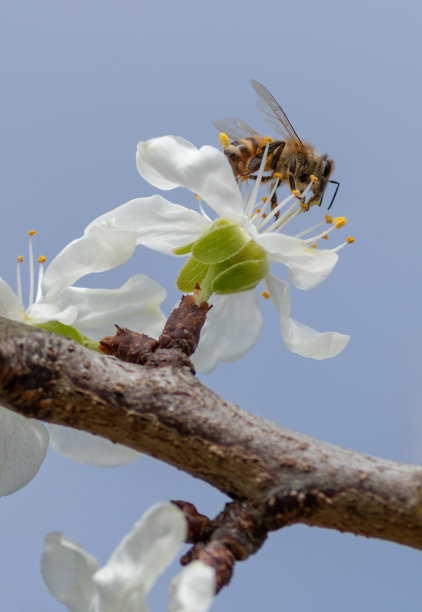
<point>230,251</point>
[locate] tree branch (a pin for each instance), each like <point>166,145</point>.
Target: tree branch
<point>283,476</point>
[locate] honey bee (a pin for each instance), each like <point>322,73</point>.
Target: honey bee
<point>288,160</point>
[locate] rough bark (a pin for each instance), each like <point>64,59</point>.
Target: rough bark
<point>282,476</point>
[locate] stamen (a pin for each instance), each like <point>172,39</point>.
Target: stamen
<point>19,260</point>
<point>349,240</point>
<point>201,208</point>
<point>340,222</point>
<point>251,201</point>
<point>31,234</point>
<point>311,229</point>
<point>274,187</point>
<point>223,141</point>
<point>260,212</point>
<point>268,139</point>
<point>246,196</point>
<point>265,295</point>
<point>291,212</point>
<point>274,212</point>
<point>328,219</point>
<point>41,261</point>
<point>313,178</point>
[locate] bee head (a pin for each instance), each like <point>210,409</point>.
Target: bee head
<point>326,170</point>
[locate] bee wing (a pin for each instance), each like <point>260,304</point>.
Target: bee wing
<point>235,128</point>
<point>273,114</point>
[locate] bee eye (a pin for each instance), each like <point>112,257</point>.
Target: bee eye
<point>327,169</point>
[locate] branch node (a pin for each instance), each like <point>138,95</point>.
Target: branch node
<point>178,341</point>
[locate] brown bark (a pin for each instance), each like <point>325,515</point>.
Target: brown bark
<point>277,476</point>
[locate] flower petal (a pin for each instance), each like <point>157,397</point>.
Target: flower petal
<point>300,338</point>
<point>307,266</point>
<point>96,251</point>
<point>140,557</point>
<point>84,447</point>
<point>23,445</point>
<point>67,571</point>
<point>232,327</point>
<point>10,306</point>
<point>193,589</point>
<point>41,313</point>
<point>158,223</point>
<point>135,305</point>
<point>170,162</point>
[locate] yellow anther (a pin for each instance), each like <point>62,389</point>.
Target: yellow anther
<point>296,192</point>
<point>19,258</point>
<point>304,205</point>
<point>223,140</point>
<point>264,215</point>
<point>268,139</point>
<point>258,210</point>
<point>340,222</point>
<point>198,197</point>
<point>325,237</point>
<point>350,240</point>
<point>328,219</point>
<point>264,199</point>
<point>32,233</point>
<point>277,175</point>
<point>265,295</point>
<point>314,246</point>
<point>42,259</point>
<point>313,178</point>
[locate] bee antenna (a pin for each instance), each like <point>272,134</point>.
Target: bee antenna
<point>334,196</point>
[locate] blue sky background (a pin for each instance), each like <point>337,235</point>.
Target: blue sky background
<point>82,83</point>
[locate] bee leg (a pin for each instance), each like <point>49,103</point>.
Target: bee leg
<point>315,200</point>
<point>264,179</point>
<point>292,182</point>
<point>274,204</point>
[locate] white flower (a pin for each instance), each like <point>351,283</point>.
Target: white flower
<point>234,323</point>
<point>23,442</point>
<point>74,578</point>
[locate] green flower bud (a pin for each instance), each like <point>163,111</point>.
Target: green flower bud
<point>219,242</point>
<point>241,272</point>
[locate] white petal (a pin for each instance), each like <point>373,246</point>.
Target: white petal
<point>96,251</point>
<point>300,338</point>
<point>84,447</point>
<point>232,327</point>
<point>41,313</point>
<point>193,589</point>
<point>67,571</point>
<point>23,445</point>
<point>10,306</point>
<point>140,557</point>
<point>135,305</point>
<point>170,162</point>
<point>307,266</point>
<point>159,224</point>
